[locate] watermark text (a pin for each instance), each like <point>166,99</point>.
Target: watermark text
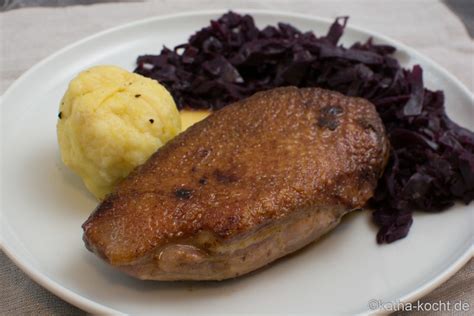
<point>440,306</point>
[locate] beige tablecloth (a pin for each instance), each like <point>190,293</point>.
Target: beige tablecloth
<point>29,35</point>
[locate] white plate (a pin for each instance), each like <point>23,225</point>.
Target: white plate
<point>44,204</point>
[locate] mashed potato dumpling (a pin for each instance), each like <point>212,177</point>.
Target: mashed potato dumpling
<point>111,121</point>
<point>191,117</point>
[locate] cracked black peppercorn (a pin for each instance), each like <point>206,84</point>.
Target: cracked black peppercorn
<point>183,193</point>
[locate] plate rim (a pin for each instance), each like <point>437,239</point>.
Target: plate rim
<point>91,306</point>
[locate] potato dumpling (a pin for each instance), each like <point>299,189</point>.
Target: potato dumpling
<point>191,117</point>
<point>111,121</point>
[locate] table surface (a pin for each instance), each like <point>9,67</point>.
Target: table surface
<point>444,38</point>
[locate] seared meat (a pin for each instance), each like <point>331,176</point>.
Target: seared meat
<point>253,182</point>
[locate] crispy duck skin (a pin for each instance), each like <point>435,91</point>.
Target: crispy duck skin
<point>253,182</point>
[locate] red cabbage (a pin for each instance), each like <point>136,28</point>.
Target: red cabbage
<point>431,163</point>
